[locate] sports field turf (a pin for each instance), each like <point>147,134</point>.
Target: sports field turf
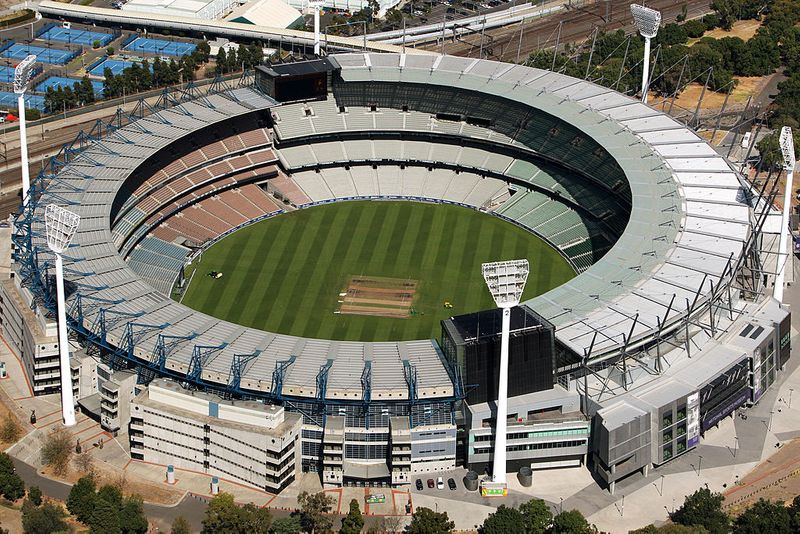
<point>285,274</point>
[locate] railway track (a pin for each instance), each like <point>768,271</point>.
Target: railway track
<point>578,23</point>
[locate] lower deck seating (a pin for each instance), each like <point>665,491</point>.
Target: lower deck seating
<point>217,214</point>
<point>393,180</point>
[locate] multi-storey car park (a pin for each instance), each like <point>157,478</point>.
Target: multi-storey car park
<point>664,331</point>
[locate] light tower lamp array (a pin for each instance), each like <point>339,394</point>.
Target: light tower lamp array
<point>22,75</point>
<point>506,282</point>
<point>61,225</point>
<point>646,21</point>
<point>786,141</point>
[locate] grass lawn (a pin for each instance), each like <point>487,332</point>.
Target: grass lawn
<point>285,274</point>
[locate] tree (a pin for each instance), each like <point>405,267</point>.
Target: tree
<point>222,515</point>
<point>426,521</point>
<point>286,525</point>
<point>10,430</point>
<point>313,510</point>
<point>111,494</point>
<point>131,515</point>
<point>353,522</point>
<point>180,526</point>
<point>694,28</point>
<point>104,518</point>
<point>43,519</point>
<point>536,516</point>
<point>764,516</point>
<point>504,520</point>
<point>570,522</point>
<point>57,446</point>
<point>11,485</point>
<point>35,495</point>
<point>82,497</point>
<point>255,520</point>
<point>703,508</point>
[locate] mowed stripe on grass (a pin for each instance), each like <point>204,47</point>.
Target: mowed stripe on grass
<point>284,274</point>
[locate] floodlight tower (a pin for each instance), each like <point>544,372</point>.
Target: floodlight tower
<point>646,21</point>
<point>506,281</point>
<point>786,141</point>
<point>22,75</point>
<point>316,5</point>
<point>61,225</point>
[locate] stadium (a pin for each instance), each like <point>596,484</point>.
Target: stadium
<point>643,241</point>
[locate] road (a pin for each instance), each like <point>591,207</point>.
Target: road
<point>578,25</point>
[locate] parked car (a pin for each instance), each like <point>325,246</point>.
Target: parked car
<point>451,483</point>
<point>419,484</point>
<point>439,483</point>
<point>430,483</point>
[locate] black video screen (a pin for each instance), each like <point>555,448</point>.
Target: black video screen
<point>289,89</point>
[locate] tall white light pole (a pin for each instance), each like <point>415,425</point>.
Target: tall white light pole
<point>786,141</point>
<point>22,75</point>
<point>506,281</point>
<point>61,225</point>
<point>646,21</point>
<point>316,6</point>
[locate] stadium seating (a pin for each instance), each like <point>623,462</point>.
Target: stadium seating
<point>158,262</point>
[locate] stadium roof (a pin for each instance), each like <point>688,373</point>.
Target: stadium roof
<point>688,219</point>
<point>689,213</point>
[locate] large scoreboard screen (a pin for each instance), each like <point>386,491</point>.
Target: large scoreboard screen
<point>292,82</point>
<point>292,88</point>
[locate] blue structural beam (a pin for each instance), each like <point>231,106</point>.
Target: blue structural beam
<point>80,306</point>
<point>278,374</point>
<point>366,382</point>
<point>238,365</point>
<point>164,347</point>
<point>322,379</point>
<point>410,373</point>
<point>107,319</point>
<point>200,356</point>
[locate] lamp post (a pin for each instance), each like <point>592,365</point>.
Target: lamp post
<point>61,225</point>
<point>22,75</point>
<point>506,281</point>
<point>646,21</point>
<point>786,141</point>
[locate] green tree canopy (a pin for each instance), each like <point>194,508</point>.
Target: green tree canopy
<point>81,499</point>
<point>764,516</point>
<point>353,522</point>
<point>104,519</point>
<point>44,519</point>
<point>536,516</point>
<point>703,508</point>
<point>314,508</point>
<point>426,521</point>
<point>504,521</point>
<point>222,515</point>
<point>131,515</point>
<point>287,525</point>
<point>570,522</point>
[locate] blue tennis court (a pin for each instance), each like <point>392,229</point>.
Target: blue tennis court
<point>158,46</point>
<point>60,81</point>
<point>9,101</point>
<point>6,74</point>
<point>52,56</point>
<point>116,66</point>
<point>81,37</point>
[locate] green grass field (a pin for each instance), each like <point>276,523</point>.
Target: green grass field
<point>285,274</point>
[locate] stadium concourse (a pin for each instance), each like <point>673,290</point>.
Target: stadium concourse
<point>665,330</point>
